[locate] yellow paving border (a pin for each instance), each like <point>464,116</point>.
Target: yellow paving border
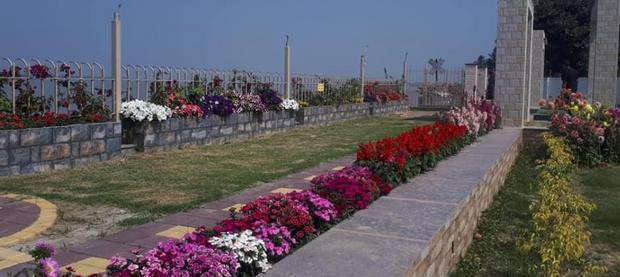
<point>10,257</point>
<point>46,219</point>
<point>176,232</point>
<point>88,266</point>
<point>285,190</point>
<point>236,208</point>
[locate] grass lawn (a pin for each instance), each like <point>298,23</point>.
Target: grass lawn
<point>150,185</point>
<point>507,220</point>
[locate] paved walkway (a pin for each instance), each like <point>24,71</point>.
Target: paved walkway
<point>92,256</point>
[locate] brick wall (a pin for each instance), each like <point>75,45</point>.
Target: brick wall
<point>41,149</point>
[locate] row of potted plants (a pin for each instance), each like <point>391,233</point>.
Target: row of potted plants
<point>267,229</point>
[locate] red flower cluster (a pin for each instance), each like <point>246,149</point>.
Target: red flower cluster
<point>411,144</point>
<point>15,121</point>
<point>350,189</point>
<point>280,209</point>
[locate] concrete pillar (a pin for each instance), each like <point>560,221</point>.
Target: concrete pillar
<point>513,65</point>
<point>362,74</point>
<point>538,67</point>
<point>116,65</point>
<point>603,62</point>
<point>482,82</point>
<point>471,79</point>
<point>287,70</point>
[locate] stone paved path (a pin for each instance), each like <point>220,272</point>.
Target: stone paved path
<point>91,256</point>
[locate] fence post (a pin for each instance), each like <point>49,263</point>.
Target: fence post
<point>287,69</point>
<point>362,73</point>
<point>116,65</point>
<point>405,73</point>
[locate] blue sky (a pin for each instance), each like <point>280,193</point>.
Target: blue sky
<point>327,37</point>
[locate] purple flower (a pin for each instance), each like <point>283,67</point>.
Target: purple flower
<point>216,104</point>
<point>49,267</point>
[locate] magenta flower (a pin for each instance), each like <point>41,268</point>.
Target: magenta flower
<point>49,267</point>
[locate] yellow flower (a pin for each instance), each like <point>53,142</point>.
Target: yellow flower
<point>588,108</point>
<point>574,108</point>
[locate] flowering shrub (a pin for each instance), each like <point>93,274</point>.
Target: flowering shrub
<point>138,110</point>
<point>322,211</point>
<point>591,131</point>
<point>397,159</point>
<point>279,209</point>
<point>289,104</point>
<point>278,240</point>
<point>218,105</point>
<point>249,251</point>
<point>560,235</point>
<point>350,189</point>
<point>270,98</point>
<point>247,102</point>
<point>172,258</point>
<point>478,115</point>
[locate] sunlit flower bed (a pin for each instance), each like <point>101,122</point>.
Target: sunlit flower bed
<point>270,227</point>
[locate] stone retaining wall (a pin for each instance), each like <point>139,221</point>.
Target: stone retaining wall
<point>422,228</point>
<point>389,108</point>
<point>326,115</point>
<point>40,149</point>
<point>184,132</point>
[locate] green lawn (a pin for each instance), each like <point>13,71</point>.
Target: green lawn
<point>602,186</point>
<point>507,220</point>
<point>151,185</point>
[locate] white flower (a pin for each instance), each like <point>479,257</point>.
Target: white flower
<point>289,104</point>
<point>247,248</point>
<point>138,110</point>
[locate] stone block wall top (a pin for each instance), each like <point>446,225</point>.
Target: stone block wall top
<point>421,228</point>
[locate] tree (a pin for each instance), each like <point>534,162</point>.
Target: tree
<point>567,26</point>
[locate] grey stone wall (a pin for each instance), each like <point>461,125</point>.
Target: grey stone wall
<point>185,132</point>
<point>512,78</point>
<point>389,108</point>
<point>40,149</point>
<point>538,67</point>
<point>603,62</point>
<point>326,115</point>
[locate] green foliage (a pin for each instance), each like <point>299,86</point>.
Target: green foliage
<point>567,26</point>
<point>559,233</point>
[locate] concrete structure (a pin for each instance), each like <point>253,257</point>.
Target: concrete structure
<point>482,81</point>
<point>538,67</point>
<point>471,78</point>
<point>603,68</point>
<point>422,228</point>
<point>514,56</point>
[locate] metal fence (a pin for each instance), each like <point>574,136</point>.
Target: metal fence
<point>551,87</point>
<point>435,89</point>
<point>56,85</point>
<point>51,85</point>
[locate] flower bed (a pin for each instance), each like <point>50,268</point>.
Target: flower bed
<point>592,131</point>
<point>268,228</point>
